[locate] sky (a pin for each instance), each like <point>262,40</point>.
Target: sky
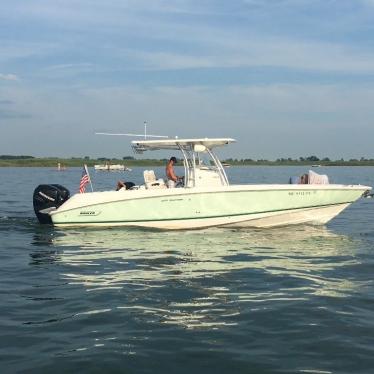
<point>285,78</point>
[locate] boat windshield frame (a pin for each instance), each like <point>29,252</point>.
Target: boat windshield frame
<point>190,149</point>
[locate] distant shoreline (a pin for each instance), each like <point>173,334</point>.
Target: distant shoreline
<point>77,162</point>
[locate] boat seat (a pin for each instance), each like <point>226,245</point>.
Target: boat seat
<point>151,182</point>
<point>314,178</point>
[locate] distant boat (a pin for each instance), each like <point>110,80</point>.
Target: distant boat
<point>316,166</point>
<point>61,167</point>
<point>226,165</point>
<point>110,167</point>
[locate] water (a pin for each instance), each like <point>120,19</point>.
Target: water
<point>285,300</point>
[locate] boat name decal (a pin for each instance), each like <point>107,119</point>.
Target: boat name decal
<point>301,193</point>
<point>88,213</point>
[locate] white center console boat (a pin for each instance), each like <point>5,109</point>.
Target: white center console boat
<point>206,198</point>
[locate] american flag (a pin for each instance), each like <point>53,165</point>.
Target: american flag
<point>84,180</point>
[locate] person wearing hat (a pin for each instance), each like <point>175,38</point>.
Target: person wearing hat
<point>170,173</point>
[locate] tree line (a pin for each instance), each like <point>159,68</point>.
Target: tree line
<point>22,160</point>
<point>10,157</point>
<point>309,159</point>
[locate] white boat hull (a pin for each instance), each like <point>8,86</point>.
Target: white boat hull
<point>232,206</point>
<point>316,216</point>
<point>110,168</point>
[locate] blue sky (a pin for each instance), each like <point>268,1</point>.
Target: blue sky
<point>286,78</point>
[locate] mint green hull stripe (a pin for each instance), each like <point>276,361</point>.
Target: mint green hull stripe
<point>202,217</point>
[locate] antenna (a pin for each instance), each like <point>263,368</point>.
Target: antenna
<point>145,135</point>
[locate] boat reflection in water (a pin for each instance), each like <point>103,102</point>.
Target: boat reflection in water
<point>205,279</point>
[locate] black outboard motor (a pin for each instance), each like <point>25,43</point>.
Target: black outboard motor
<point>48,197</point>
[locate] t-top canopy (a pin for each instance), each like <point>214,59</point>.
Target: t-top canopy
<point>145,145</point>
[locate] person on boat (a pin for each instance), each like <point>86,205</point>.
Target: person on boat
<point>125,185</point>
<point>304,179</point>
<point>173,179</point>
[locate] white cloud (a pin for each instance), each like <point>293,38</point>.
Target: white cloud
<point>369,3</point>
<point>211,41</point>
<point>269,120</point>
<point>67,70</point>
<point>9,77</point>
<point>236,52</point>
<point>54,43</point>
<point>70,66</point>
<point>20,50</point>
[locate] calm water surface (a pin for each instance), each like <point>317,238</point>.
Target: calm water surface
<point>287,300</point>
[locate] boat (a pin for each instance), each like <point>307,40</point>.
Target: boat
<point>61,167</point>
<point>205,199</point>
<point>111,167</point>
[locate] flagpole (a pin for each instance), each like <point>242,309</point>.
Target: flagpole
<point>89,177</point>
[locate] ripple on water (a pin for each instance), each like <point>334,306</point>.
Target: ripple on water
<point>216,298</point>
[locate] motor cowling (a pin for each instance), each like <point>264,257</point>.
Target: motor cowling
<point>48,197</point>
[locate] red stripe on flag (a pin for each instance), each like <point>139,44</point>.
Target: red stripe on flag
<point>84,180</point>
